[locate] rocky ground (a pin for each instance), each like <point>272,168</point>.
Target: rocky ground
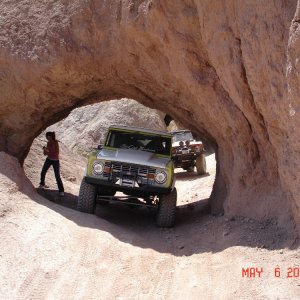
<point>48,250</point>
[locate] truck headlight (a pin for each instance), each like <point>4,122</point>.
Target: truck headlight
<point>160,177</point>
<point>98,167</point>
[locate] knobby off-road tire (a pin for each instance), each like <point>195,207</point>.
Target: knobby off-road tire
<point>165,216</point>
<point>87,198</point>
<point>201,164</point>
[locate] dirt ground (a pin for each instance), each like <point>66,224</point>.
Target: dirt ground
<point>48,250</point>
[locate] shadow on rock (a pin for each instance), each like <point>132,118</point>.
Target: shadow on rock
<point>68,200</point>
<point>190,175</point>
<point>196,231</point>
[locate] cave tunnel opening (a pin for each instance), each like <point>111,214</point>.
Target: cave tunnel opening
<point>85,128</point>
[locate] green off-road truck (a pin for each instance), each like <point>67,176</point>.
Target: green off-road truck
<point>136,162</point>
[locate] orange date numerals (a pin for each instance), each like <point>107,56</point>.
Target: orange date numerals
<point>277,272</point>
<point>293,273</point>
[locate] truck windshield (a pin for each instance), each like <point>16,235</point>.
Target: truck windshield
<point>139,141</point>
<point>182,136</point>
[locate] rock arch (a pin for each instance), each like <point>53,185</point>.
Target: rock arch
<point>218,67</point>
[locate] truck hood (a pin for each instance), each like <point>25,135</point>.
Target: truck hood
<point>131,156</point>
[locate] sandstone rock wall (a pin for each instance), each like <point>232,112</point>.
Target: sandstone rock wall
<point>289,148</point>
<point>219,67</point>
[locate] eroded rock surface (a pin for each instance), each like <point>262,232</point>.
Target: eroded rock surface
<point>219,67</point>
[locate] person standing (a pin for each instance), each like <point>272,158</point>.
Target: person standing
<point>52,152</point>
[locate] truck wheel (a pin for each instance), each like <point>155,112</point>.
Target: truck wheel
<point>87,197</point>
<point>165,216</point>
<point>201,164</point>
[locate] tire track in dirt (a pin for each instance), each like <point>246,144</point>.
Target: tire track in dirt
<point>164,274</point>
<point>36,285</point>
<point>70,280</point>
<point>110,269</point>
<point>73,277</point>
<point>92,268</point>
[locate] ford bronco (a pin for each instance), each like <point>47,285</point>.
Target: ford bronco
<point>136,162</point>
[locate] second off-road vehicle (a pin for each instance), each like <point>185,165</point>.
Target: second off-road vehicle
<point>136,162</point>
<point>188,153</point>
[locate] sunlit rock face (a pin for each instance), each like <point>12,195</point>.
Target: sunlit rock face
<point>289,149</point>
<point>218,67</point>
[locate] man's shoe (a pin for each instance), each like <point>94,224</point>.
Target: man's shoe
<point>43,186</point>
<point>61,194</point>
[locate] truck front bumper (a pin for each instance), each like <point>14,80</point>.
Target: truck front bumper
<point>145,190</point>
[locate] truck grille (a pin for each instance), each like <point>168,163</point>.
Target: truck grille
<point>141,174</point>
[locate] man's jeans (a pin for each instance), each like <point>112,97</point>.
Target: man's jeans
<point>55,163</point>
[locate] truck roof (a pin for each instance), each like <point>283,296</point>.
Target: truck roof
<point>140,129</point>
